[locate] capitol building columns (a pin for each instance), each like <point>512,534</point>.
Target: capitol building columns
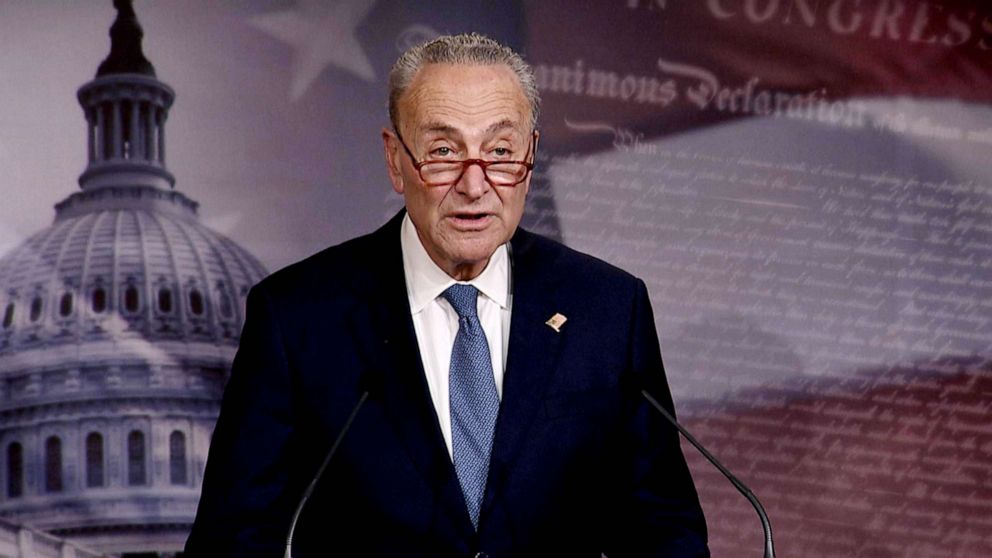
<point>125,119</point>
<point>118,325</point>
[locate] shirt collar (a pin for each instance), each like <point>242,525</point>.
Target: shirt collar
<point>425,281</point>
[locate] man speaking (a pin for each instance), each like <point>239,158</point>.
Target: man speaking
<point>504,370</point>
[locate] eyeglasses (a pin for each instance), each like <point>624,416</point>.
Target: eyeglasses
<point>437,173</point>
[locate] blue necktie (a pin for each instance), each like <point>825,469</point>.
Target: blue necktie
<point>473,399</point>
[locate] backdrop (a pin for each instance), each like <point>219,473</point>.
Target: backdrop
<point>803,184</point>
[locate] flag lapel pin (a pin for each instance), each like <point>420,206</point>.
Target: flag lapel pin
<point>555,322</point>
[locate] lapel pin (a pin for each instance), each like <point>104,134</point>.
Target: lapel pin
<point>555,322</point>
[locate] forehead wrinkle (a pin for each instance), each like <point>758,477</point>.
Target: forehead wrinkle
<point>438,110</point>
<point>447,129</point>
<point>445,116</point>
<point>430,93</point>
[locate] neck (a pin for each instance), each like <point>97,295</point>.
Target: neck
<point>459,271</point>
<point>464,272</point>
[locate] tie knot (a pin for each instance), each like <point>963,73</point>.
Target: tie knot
<point>462,298</point>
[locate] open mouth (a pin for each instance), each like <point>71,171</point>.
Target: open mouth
<point>470,220</point>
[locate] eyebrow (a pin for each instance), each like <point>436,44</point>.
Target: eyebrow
<point>501,125</point>
<point>438,127</point>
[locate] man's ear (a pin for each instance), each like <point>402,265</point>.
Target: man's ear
<point>391,146</point>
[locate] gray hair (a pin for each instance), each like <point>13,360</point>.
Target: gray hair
<point>467,48</point>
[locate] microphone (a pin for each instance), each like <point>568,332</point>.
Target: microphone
<point>766,525</point>
<point>370,382</point>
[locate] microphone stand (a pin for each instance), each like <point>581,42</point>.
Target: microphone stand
<point>766,525</point>
<point>320,472</point>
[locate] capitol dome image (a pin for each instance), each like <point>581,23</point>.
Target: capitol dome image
<point>118,325</point>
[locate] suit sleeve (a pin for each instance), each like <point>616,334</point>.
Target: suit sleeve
<point>659,512</point>
<point>248,495</point>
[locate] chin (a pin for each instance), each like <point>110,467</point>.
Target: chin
<point>474,252</point>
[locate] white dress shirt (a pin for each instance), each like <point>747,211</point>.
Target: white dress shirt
<point>436,322</point>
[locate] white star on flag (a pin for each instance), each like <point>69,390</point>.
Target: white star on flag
<point>320,33</point>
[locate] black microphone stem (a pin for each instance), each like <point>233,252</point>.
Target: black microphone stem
<point>320,472</point>
<point>766,525</point>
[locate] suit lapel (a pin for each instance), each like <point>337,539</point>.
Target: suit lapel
<point>531,358</point>
<point>390,347</point>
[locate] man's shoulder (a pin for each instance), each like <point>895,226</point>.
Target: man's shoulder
<point>339,267</point>
<point>541,252</point>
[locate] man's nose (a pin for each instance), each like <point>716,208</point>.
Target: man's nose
<point>473,183</point>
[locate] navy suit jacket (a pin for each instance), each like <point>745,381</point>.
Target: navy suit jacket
<point>580,465</point>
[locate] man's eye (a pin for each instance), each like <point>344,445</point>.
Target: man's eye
<point>501,152</point>
<point>441,152</point>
